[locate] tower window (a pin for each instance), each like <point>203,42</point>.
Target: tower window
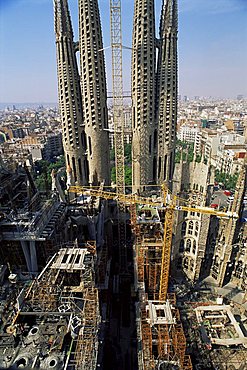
<point>90,145</point>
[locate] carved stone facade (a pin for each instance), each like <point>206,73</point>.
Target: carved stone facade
<point>93,87</point>
<point>82,103</point>
<point>205,245</point>
<point>154,93</point>
<point>230,251</point>
<point>143,94</point>
<point>74,141</point>
<point>167,91</point>
<point>192,229</point>
<point>194,244</point>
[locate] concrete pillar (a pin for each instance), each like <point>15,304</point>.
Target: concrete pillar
<point>25,249</point>
<point>33,256</point>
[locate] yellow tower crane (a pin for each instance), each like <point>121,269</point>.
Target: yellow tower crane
<point>169,206</point>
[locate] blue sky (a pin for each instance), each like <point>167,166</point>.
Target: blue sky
<point>212,47</point>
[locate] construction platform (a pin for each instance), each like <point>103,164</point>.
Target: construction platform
<point>53,321</point>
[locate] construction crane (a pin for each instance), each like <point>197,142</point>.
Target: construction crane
<point>118,118</point>
<point>117,91</point>
<point>167,204</point>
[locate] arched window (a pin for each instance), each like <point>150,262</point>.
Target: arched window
<point>186,262</point>
<point>179,263</point>
<point>194,247</point>
<point>190,227</point>
<point>191,265</point>
<point>183,228</point>
<point>181,246</point>
<point>188,245</point>
<point>239,269</point>
<point>196,228</point>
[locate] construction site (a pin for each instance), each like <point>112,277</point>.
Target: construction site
<point>53,322</point>
<point>110,301</point>
<point>98,276</point>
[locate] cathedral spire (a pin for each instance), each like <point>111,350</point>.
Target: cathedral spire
<point>167,91</point>
<point>74,139</point>
<point>143,94</point>
<point>93,88</point>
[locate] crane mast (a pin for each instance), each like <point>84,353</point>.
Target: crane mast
<point>117,89</point>
<point>118,115</point>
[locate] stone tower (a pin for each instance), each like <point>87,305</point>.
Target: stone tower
<point>70,102</point>
<point>143,94</point>
<point>166,99</point>
<point>154,93</point>
<point>93,88</point>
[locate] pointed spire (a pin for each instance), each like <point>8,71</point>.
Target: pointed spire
<point>63,25</point>
<point>169,17</point>
<point>94,92</point>
<point>70,101</point>
<point>167,91</point>
<point>143,93</point>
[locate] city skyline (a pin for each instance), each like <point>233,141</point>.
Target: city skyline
<point>212,52</point>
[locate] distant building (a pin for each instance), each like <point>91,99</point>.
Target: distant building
<point>240,97</point>
<point>127,125</point>
<point>54,145</point>
<point>188,133</point>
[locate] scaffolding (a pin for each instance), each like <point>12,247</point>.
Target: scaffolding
<point>87,341</point>
<point>152,248</point>
<point>153,253</point>
<point>66,288</point>
<point>103,267</point>
<point>146,335</point>
<point>161,332</point>
<point>163,339</point>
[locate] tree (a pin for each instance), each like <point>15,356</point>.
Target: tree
<point>128,175</point>
<point>112,154</point>
<point>228,180</point>
<point>182,146</point>
<point>127,153</point>
<point>198,158</point>
<point>177,156</point>
<point>43,172</point>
